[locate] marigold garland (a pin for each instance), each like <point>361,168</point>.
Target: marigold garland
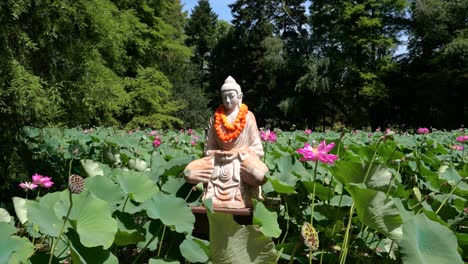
<point>232,130</point>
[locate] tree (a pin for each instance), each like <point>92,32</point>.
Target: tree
<point>242,54</point>
<point>358,39</point>
<point>435,71</point>
<point>200,31</point>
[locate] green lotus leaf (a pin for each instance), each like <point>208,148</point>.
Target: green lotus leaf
<point>172,211</point>
<point>13,249</point>
<point>425,241</point>
<point>453,177</point>
<point>43,215</point>
<point>151,230</point>
<point>376,210</point>
<point>172,185</point>
<point>177,164</point>
<point>138,164</point>
<point>128,231</point>
<point>158,165</point>
<point>266,220</point>
<point>354,172</point>
<point>137,185</point>
<point>289,164</point>
<point>162,261</point>
<point>88,255</point>
<point>194,250</point>
<point>4,216</point>
<point>93,168</point>
<point>283,182</point>
<point>236,244</point>
<point>341,201</point>
<point>91,218</point>
<point>21,209</point>
<point>105,189</point>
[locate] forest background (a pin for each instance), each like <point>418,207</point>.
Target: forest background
<point>301,64</point>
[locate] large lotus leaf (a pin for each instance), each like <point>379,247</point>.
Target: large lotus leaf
<point>85,255</point>
<point>43,215</point>
<point>172,185</point>
<point>283,182</point>
<point>93,168</point>
<point>128,231</point>
<point>177,164</point>
<point>162,261</point>
<point>289,164</point>
<point>236,244</point>
<point>24,250</point>
<point>13,249</point>
<point>91,216</point>
<point>431,178</point>
<point>21,209</point>
<point>266,220</point>
<point>376,210</point>
<point>158,165</point>
<point>137,185</point>
<point>347,172</point>
<point>341,201</point>
<point>425,241</point>
<point>463,243</point>
<point>172,211</point>
<point>320,191</point>
<point>451,175</point>
<point>4,216</point>
<point>194,249</point>
<point>105,189</point>
<point>151,230</point>
<point>138,164</point>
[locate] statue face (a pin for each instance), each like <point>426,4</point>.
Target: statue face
<point>230,99</point>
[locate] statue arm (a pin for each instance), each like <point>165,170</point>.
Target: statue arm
<point>210,144</point>
<point>255,143</point>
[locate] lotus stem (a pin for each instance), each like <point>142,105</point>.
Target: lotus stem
<point>162,239</point>
<point>144,248</point>
<point>344,251</point>
<point>55,242</point>
<point>125,204</point>
<point>448,196</point>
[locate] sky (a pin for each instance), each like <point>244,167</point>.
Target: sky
<point>220,7</point>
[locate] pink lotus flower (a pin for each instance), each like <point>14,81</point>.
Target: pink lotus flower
<point>423,130</point>
<point>153,132</point>
<point>28,186</point>
<point>319,152</point>
<point>157,142</point>
<point>193,143</point>
<point>42,181</point>
<point>457,147</point>
<point>308,131</point>
<point>268,136</point>
<point>462,138</point>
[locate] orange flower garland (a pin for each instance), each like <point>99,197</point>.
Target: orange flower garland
<point>232,130</point>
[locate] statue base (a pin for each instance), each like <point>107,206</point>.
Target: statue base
<point>242,216</point>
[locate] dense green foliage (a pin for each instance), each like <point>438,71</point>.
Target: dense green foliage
<point>403,195</point>
<point>304,64</point>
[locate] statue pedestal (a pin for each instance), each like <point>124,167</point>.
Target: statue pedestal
<point>242,216</point>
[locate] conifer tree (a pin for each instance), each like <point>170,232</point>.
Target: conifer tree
<point>201,33</point>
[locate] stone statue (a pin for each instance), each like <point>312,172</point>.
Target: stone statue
<point>231,169</point>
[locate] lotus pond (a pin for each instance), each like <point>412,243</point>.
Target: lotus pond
<point>390,197</point>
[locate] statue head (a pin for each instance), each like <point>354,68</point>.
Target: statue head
<point>231,94</point>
